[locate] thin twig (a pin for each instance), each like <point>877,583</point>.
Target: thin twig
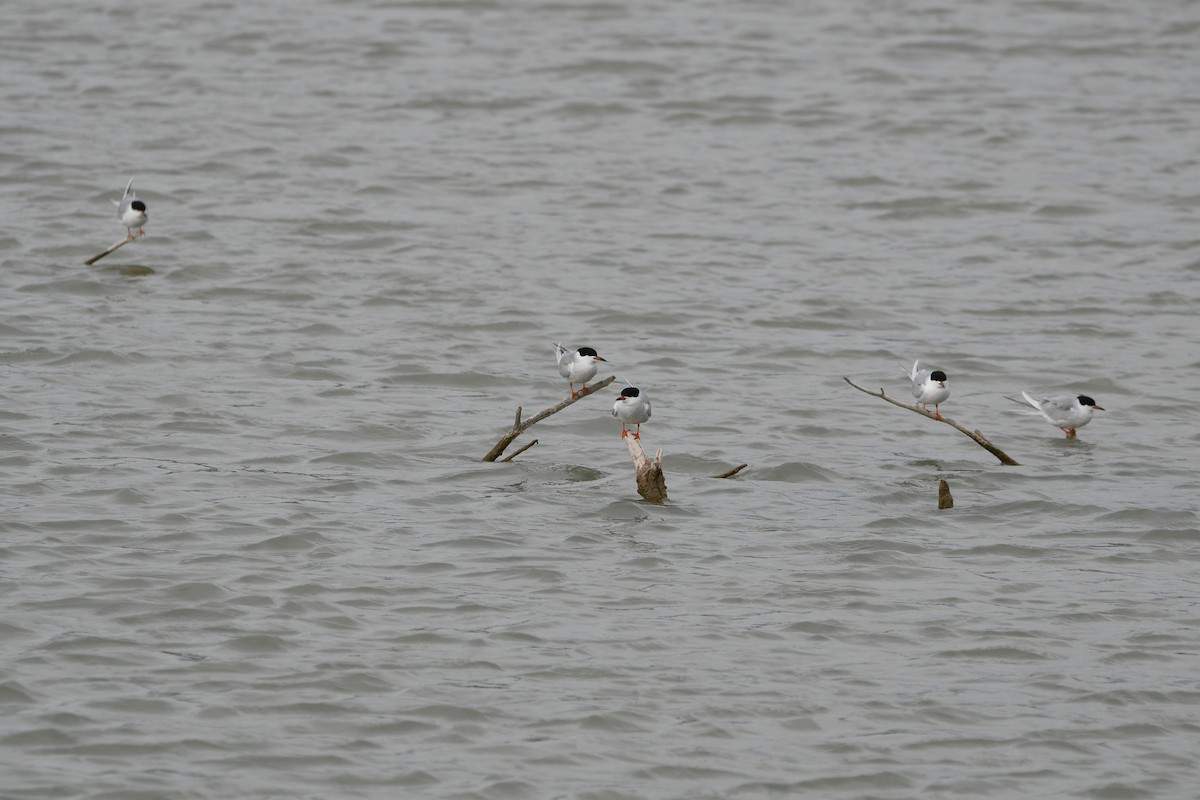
<point>732,472</point>
<point>975,436</point>
<point>115,247</point>
<point>522,450</point>
<point>520,427</point>
<point>651,484</point>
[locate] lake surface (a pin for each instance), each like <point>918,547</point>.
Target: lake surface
<point>249,548</point>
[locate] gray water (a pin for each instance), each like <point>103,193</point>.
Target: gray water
<point>250,550</point>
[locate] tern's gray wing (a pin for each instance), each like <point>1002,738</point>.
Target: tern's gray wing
<point>919,380</point>
<point>565,357</point>
<point>1059,408</point>
<point>1054,409</point>
<point>126,199</point>
<point>1033,401</point>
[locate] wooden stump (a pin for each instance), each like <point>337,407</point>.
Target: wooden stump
<point>945,499</point>
<point>651,484</point>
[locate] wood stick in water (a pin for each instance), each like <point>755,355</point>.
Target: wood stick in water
<point>975,436</point>
<point>732,472</point>
<point>520,426</point>
<point>511,456</point>
<point>114,248</point>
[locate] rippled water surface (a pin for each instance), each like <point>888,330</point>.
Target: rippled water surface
<point>249,547</point>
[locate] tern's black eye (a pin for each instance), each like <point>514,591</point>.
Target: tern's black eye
<point>938,375</point>
<point>630,392</point>
<point>1085,400</point>
<point>587,351</point>
<point>138,205</point>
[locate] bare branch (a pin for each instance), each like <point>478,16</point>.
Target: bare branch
<point>522,450</point>
<point>732,472</point>
<point>520,427</point>
<point>114,248</point>
<point>975,436</point>
<point>651,484</point>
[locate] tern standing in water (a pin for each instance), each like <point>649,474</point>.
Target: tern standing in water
<point>1067,412</point>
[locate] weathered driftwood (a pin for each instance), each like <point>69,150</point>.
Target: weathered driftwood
<point>945,499</point>
<point>732,472</point>
<point>651,484</point>
<point>520,426</point>
<point>115,247</point>
<point>975,436</point>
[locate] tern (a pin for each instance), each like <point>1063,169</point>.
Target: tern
<point>1068,412</point>
<point>929,387</point>
<point>577,366</point>
<point>131,210</point>
<point>632,408</point>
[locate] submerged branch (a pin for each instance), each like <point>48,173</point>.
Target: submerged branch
<point>975,436</point>
<point>732,472</point>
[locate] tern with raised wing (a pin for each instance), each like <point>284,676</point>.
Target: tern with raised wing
<point>131,210</point>
<point>929,387</point>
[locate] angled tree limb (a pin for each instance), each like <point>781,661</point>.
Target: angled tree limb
<point>975,436</point>
<point>732,472</point>
<point>511,456</point>
<point>651,484</point>
<point>520,427</point>
<point>115,247</point>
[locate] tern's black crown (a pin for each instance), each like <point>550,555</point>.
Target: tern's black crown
<point>138,205</point>
<point>1085,400</point>
<point>587,351</point>
<point>938,375</point>
<point>630,391</point>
